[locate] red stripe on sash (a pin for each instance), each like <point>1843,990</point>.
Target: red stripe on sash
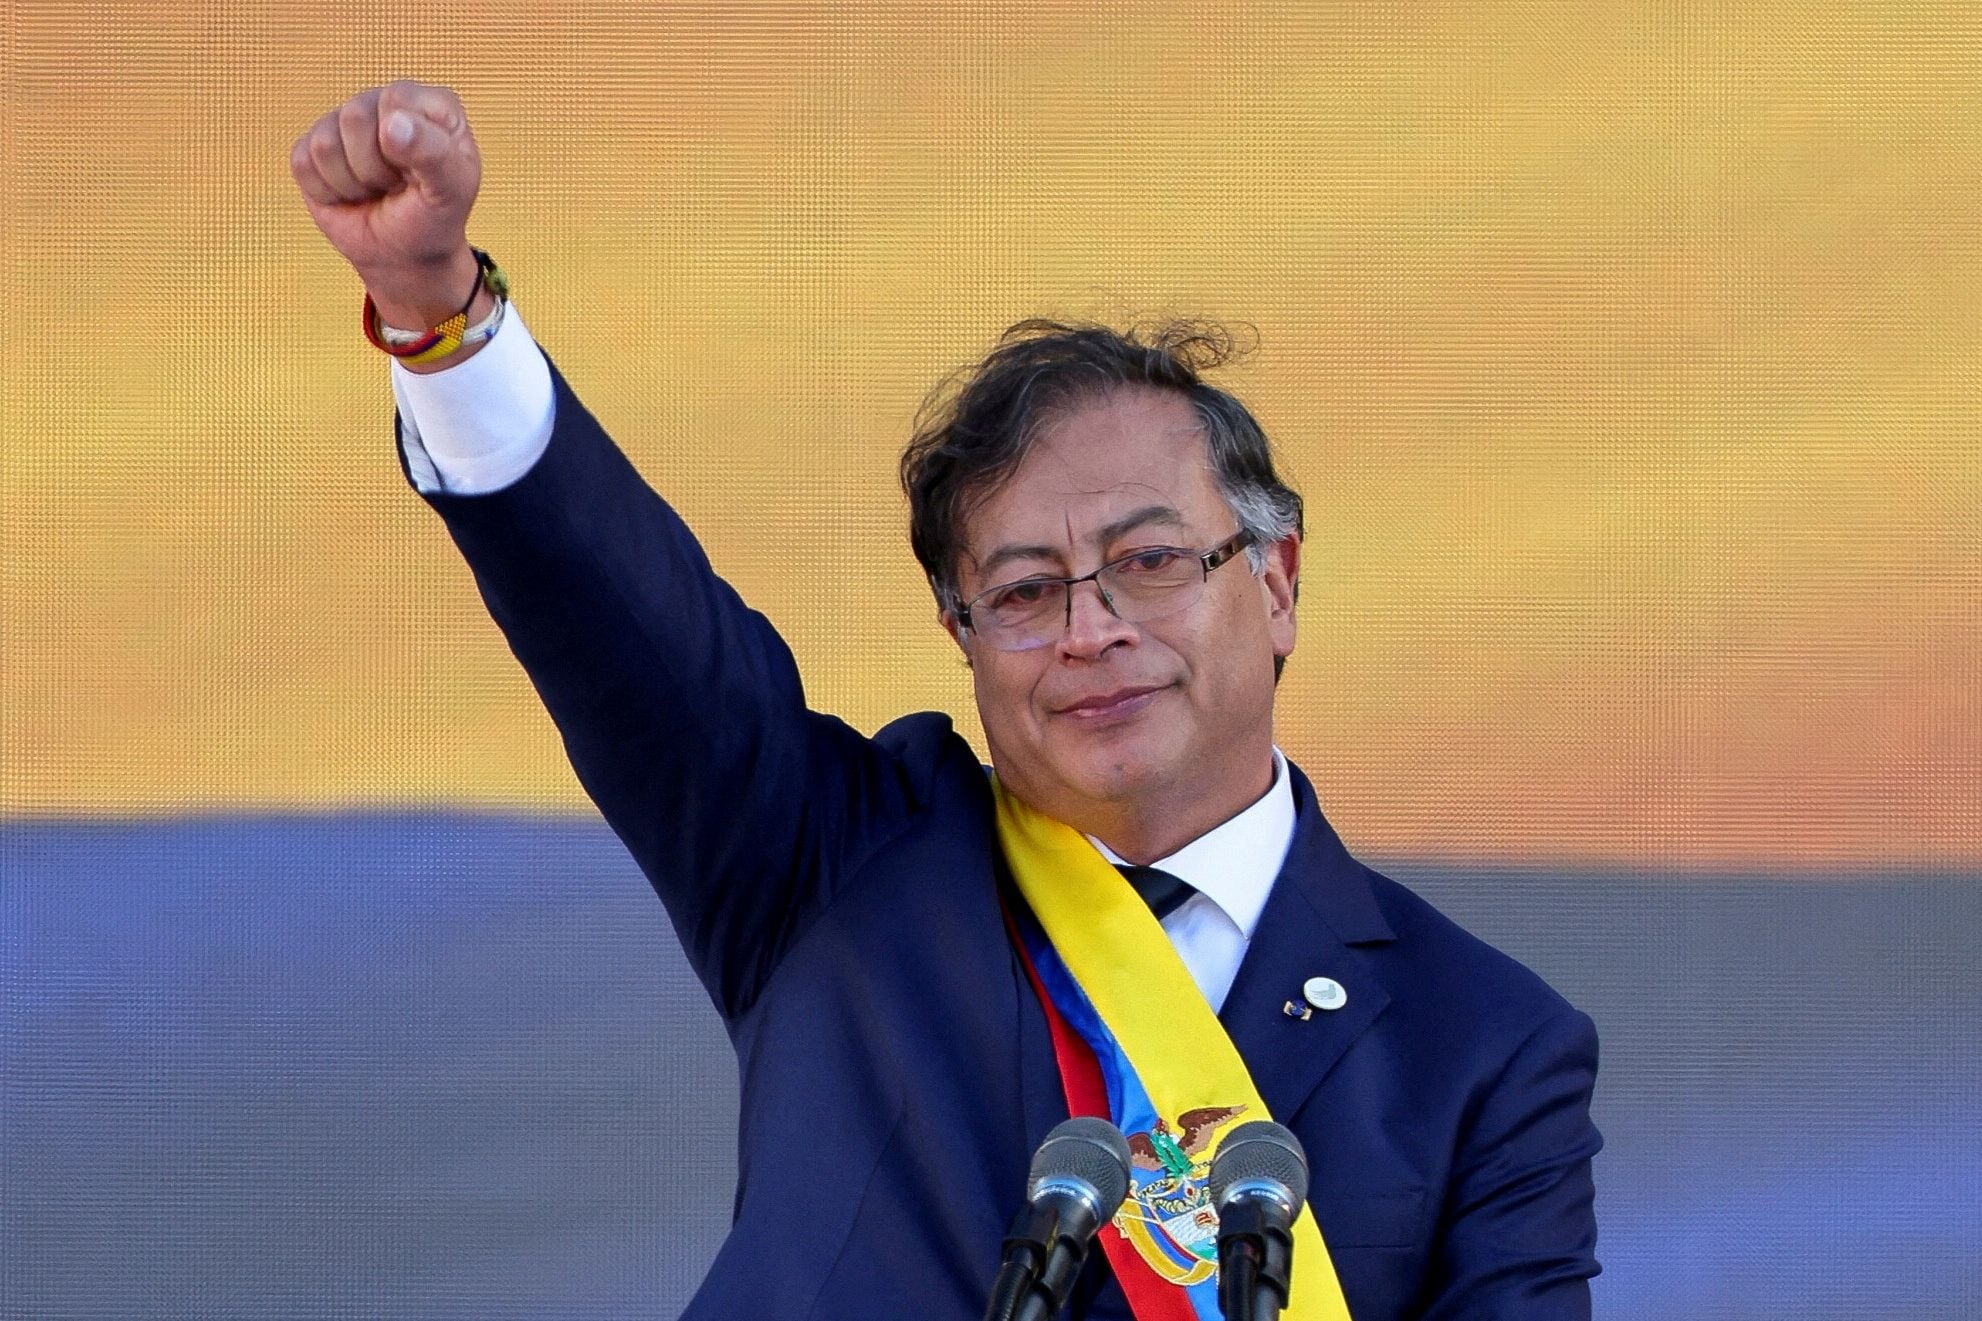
<point>1151,1297</point>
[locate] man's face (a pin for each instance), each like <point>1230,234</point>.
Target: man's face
<point>1110,720</point>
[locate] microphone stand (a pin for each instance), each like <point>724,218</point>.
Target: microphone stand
<point>1041,1264</point>
<point>1055,1282</point>
<point>1026,1246</point>
<point>1079,1175</point>
<point>1255,1257</point>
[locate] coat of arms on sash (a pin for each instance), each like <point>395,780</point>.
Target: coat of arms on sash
<point>1168,1214</point>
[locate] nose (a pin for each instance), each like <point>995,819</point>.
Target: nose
<point>1092,624</point>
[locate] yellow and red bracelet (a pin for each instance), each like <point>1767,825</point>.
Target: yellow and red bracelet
<point>446,337</point>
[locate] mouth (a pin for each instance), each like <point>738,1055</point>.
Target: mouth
<point>1117,705</point>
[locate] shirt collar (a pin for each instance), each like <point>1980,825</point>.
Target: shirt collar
<point>1234,864</point>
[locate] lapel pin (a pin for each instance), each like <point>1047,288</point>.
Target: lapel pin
<point>1324,993</point>
<point>1297,1011</point>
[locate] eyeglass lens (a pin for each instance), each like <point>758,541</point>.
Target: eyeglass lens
<point>1141,588</point>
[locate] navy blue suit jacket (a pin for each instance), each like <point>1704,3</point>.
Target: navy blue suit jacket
<point>838,896</point>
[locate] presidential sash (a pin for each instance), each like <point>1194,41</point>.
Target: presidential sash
<point>1138,1044</point>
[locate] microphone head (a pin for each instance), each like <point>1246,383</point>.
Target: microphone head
<point>1260,1156</point>
<point>1088,1151</point>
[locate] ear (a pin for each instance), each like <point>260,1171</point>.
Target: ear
<point>1280,581</point>
<point>948,619</point>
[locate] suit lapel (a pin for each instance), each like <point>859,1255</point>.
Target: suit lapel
<point>1321,920</point>
<point>1041,1092</point>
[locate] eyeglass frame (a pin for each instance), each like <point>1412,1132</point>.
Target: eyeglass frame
<point>1207,561</point>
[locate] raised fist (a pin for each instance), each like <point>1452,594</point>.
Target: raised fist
<point>389,177</point>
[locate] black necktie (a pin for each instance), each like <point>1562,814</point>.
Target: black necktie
<point>1163,892</point>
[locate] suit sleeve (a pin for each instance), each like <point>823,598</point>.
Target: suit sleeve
<point>680,708</point>
<point>1518,1238</point>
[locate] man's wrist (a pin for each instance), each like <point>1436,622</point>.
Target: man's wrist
<point>421,297</point>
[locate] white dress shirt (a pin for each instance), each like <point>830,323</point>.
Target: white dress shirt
<point>1232,869</point>
<point>480,425</point>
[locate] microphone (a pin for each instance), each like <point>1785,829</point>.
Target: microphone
<point>1079,1177</point>
<point>1259,1182</point>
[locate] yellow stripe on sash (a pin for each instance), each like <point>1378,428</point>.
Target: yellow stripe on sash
<point>1116,950</point>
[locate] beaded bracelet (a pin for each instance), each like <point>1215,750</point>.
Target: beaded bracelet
<point>449,335</point>
<point>481,332</point>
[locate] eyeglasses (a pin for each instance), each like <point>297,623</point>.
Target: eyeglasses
<point>1137,588</point>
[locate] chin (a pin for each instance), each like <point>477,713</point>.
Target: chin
<point>1115,769</point>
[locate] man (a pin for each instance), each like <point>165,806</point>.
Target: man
<point>913,958</point>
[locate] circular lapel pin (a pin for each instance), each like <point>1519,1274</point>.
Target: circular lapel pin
<point>1324,993</point>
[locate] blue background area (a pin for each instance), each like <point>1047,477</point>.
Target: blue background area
<point>452,1065</point>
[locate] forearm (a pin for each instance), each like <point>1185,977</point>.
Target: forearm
<point>680,707</point>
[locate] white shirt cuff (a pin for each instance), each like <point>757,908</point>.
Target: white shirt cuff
<point>480,425</point>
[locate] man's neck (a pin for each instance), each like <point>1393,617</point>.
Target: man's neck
<point>1145,832</point>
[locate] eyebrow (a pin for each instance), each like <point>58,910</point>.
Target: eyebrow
<point>1148,515</point>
